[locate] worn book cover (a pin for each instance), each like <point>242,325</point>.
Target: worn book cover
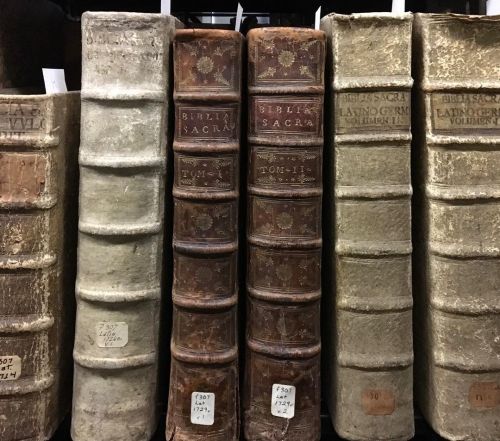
<point>457,175</point>
<point>38,164</point>
<point>368,305</point>
<point>285,137</point>
<point>121,222</point>
<point>204,398</point>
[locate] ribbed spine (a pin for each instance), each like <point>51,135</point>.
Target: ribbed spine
<point>284,238</point>
<point>370,337</point>
<point>207,94</point>
<point>122,192</point>
<point>459,159</point>
<point>35,260</point>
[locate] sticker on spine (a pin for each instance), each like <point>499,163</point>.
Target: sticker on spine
<point>10,367</point>
<point>378,402</point>
<point>202,408</point>
<point>283,401</point>
<point>484,395</point>
<point>112,334</point>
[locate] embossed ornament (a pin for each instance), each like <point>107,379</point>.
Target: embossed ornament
<point>286,58</point>
<point>284,272</point>
<point>204,222</point>
<point>203,275</point>
<point>284,221</point>
<point>205,65</point>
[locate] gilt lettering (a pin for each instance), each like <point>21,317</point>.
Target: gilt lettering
<point>206,123</point>
<point>296,117</point>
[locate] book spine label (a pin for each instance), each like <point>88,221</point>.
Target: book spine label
<point>35,262</point>
<point>122,191</point>
<point>283,116</point>
<point>285,134</point>
<point>203,398</point>
<point>367,111</point>
<point>459,158</point>
<point>371,350</point>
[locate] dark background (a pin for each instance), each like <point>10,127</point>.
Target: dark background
<point>422,431</point>
<point>283,13</point>
<point>304,9</point>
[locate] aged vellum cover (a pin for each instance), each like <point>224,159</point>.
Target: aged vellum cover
<point>368,313</point>
<point>457,171</point>
<point>285,136</point>
<point>203,398</point>
<point>122,192</point>
<point>38,163</point>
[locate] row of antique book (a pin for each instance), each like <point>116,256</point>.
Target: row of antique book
<point>359,231</point>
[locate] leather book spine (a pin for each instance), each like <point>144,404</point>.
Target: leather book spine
<point>38,158</point>
<point>120,251</point>
<point>203,398</point>
<point>370,350</point>
<point>457,168</point>
<point>285,137</point>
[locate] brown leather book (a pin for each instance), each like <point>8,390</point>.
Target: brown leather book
<point>457,176</point>
<point>203,398</point>
<point>285,134</point>
<point>38,200</point>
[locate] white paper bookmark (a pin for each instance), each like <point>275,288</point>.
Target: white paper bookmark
<point>493,7</point>
<point>398,6</point>
<point>165,7</point>
<point>317,18</point>
<point>55,81</point>
<point>239,14</point>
